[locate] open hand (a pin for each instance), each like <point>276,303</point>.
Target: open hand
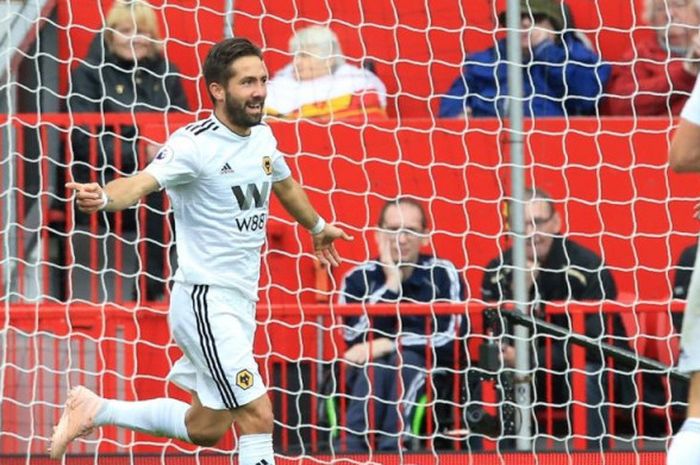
<point>360,353</point>
<point>392,273</point>
<point>89,196</point>
<point>323,244</point>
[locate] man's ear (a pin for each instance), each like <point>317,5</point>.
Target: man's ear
<point>425,240</point>
<point>218,91</point>
<point>557,221</point>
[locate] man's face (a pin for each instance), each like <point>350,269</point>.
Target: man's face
<point>403,232</point>
<point>535,34</point>
<point>308,67</point>
<point>676,19</point>
<point>130,44</point>
<point>246,92</point>
<point>541,225</point>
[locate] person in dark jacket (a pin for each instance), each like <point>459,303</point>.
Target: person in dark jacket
<point>388,353</point>
<point>681,283</point>
<point>125,72</point>
<point>560,270</point>
<point>562,75</point>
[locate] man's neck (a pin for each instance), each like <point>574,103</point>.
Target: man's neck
<point>406,271</point>
<point>238,130</point>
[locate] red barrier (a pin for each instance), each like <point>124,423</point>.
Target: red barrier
<point>126,352</point>
<point>609,178</point>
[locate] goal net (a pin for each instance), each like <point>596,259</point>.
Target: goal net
<point>85,297</point>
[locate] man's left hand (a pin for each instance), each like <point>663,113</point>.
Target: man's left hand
<point>323,244</point>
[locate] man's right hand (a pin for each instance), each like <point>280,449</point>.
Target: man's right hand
<point>89,197</point>
<point>392,273</point>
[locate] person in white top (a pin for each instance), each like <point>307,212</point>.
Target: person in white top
<point>684,156</point>
<point>219,174</point>
<point>318,83</point>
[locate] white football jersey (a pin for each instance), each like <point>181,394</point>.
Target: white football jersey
<point>219,184</point>
<point>691,109</point>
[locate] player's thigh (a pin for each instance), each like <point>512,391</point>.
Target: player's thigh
<point>215,327</point>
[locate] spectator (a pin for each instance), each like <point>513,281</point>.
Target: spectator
<point>396,344</point>
<point>562,75</point>
<point>560,270</point>
<point>124,72</point>
<point>684,270</point>
<point>653,78</point>
<point>320,84</point>
<point>681,283</point>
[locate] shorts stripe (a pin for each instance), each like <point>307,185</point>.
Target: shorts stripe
<point>206,340</point>
<point>216,360</point>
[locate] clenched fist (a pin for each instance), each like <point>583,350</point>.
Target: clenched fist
<point>89,197</point>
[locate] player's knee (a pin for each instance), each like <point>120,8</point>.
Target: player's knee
<point>206,427</point>
<point>205,437</point>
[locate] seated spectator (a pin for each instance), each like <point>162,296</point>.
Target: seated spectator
<point>395,346</point>
<point>681,283</point>
<point>684,271</point>
<point>125,72</point>
<point>653,77</point>
<point>320,84</point>
<point>560,270</point>
<point>562,75</point>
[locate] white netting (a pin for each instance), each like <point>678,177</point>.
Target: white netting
<point>85,298</point>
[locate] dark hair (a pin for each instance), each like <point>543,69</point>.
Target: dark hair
<point>217,66</point>
<point>408,201</point>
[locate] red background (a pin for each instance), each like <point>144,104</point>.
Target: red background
<point>418,52</point>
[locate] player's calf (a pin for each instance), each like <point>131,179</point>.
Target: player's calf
<point>255,417</point>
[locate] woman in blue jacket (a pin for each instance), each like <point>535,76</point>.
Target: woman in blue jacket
<point>562,75</point>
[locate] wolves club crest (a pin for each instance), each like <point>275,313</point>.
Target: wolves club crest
<point>244,379</point>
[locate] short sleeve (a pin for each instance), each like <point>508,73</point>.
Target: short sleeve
<point>280,170</point>
<point>177,162</point>
<point>691,110</point>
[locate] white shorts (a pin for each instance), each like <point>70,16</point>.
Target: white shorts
<point>690,335</point>
<point>214,327</point>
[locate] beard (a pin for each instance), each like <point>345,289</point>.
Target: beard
<point>237,111</point>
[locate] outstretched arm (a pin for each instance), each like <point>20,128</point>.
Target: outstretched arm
<point>295,201</point>
<point>116,195</point>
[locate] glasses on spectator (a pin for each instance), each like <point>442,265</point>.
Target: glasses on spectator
<point>409,231</point>
<point>537,222</point>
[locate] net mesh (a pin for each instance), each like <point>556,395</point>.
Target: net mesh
<point>85,298</point>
